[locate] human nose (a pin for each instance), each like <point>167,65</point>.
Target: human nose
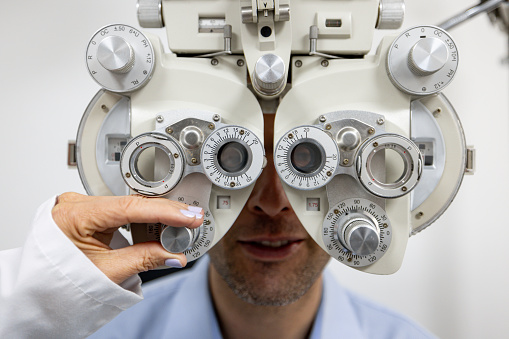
<point>268,196</point>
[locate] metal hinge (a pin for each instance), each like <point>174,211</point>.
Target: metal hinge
<point>470,163</point>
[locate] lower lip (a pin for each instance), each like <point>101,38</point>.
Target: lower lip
<point>267,253</point>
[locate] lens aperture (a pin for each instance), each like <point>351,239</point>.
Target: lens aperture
<point>233,157</point>
<point>306,157</point>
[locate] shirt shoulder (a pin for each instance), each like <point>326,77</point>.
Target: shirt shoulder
<point>363,318</point>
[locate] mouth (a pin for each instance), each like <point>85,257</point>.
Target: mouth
<point>271,250</point>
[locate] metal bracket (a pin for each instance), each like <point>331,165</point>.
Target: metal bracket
<point>470,160</point>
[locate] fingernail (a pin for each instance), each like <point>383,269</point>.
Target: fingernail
<point>173,263</point>
<point>195,209</point>
<point>188,213</point>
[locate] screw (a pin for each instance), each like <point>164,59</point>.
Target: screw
<point>128,175</point>
<point>322,118</point>
<point>169,130</point>
<point>241,132</point>
<point>206,222</point>
<point>380,121</point>
<point>328,127</point>
<point>336,211</point>
<point>290,136</point>
<point>436,113</point>
<point>385,225</point>
<point>214,62</point>
<point>159,118</point>
<point>298,63</point>
<point>419,215</point>
<point>325,63</point>
<point>216,117</point>
<point>346,161</point>
<point>329,173</point>
<point>371,130</point>
<point>175,155</point>
<point>375,144</point>
<point>349,259</point>
<point>240,62</point>
<point>404,189</point>
<point>194,161</point>
<point>105,108</point>
<point>212,126</point>
<point>232,184</point>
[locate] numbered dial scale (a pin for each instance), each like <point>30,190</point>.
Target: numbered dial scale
<point>120,58</point>
<point>306,158</point>
<point>233,157</point>
<point>422,60</point>
<point>357,232</point>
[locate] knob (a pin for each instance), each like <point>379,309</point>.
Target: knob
<point>428,56</point>
<point>120,58</point>
<point>361,236</point>
<point>150,13</point>
<point>269,74</point>
<point>116,55</point>
<point>179,239</point>
<point>391,14</point>
<point>423,60</point>
<point>191,137</point>
<point>348,138</point>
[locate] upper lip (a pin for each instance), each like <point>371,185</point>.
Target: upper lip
<point>271,238</point>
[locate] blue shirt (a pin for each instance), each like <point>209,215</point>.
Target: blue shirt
<point>180,306</point>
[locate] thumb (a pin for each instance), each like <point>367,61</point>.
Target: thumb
<point>125,262</point>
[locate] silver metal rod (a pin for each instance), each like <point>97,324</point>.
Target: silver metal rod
<point>487,6</point>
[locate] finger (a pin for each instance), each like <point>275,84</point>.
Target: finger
<point>122,263</point>
<point>101,213</point>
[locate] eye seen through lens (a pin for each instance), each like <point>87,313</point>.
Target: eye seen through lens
<point>232,157</point>
<point>306,157</point>
<point>152,164</point>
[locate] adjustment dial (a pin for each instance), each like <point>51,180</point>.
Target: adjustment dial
<point>179,239</point>
<point>423,60</point>
<point>306,158</point>
<point>356,232</point>
<point>120,58</point>
<point>269,74</point>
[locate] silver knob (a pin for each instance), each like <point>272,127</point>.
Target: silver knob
<point>348,138</point>
<point>115,54</point>
<point>269,74</point>
<point>361,236</point>
<point>178,239</point>
<point>428,56</point>
<point>391,14</point>
<point>191,137</point>
<point>150,13</point>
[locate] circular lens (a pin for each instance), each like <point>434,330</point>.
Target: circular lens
<point>306,157</point>
<point>232,157</point>
<point>395,166</point>
<point>152,164</point>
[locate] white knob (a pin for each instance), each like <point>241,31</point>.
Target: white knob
<point>115,54</point>
<point>269,74</point>
<point>361,236</point>
<point>428,56</point>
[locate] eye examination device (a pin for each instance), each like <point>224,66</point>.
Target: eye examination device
<point>368,149</point>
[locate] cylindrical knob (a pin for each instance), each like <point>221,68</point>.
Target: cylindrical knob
<point>191,137</point>
<point>150,13</point>
<point>178,239</point>
<point>361,236</point>
<point>391,14</point>
<point>348,138</point>
<point>115,54</point>
<point>428,56</point>
<point>269,74</point>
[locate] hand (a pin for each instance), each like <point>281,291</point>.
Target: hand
<point>91,221</point>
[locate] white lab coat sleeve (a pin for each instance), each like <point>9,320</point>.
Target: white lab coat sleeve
<point>50,289</point>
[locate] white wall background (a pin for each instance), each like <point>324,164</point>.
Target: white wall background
<point>455,274</point>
